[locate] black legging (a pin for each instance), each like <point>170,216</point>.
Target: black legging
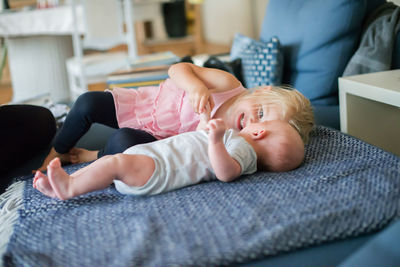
<point>97,107</point>
<point>124,138</point>
<point>25,131</point>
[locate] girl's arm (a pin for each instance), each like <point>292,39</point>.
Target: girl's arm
<point>225,167</point>
<point>197,81</point>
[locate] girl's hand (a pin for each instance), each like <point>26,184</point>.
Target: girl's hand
<point>216,129</point>
<point>197,81</point>
<point>199,98</point>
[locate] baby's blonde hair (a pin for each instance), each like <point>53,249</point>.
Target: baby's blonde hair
<point>295,106</point>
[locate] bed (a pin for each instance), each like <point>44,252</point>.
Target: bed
<point>344,188</point>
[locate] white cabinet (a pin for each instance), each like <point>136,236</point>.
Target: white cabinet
<point>370,108</point>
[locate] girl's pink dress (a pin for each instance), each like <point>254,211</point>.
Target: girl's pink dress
<point>163,110</point>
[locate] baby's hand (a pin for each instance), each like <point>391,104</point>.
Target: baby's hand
<point>199,98</point>
<point>204,118</point>
<point>216,129</point>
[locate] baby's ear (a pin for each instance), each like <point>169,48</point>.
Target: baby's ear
<point>259,134</point>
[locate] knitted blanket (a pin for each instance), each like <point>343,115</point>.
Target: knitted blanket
<point>344,188</point>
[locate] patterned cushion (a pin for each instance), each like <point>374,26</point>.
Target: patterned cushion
<point>261,61</point>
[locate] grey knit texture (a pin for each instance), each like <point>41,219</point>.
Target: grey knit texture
<point>344,188</point>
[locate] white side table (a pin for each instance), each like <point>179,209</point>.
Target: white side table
<point>39,42</point>
<point>370,108</point>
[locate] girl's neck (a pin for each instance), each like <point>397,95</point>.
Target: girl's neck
<point>224,110</point>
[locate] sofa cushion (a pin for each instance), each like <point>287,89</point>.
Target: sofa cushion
<point>261,61</point>
<point>318,38</point>
<point>382,250</point>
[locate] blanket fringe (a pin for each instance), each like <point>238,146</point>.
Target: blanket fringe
<point>10,203</point>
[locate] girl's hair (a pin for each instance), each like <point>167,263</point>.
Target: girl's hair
<point>295,106</point>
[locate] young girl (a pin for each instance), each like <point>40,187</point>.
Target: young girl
<point>182,160</point>
<point>156,112</point>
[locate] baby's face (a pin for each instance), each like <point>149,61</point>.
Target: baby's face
<point>269,127</point>
<point>249,111</point>
<point>277,144</point>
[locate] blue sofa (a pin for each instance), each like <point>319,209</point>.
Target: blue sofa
<point>318,40</point>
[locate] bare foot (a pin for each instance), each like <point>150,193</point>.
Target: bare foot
<point>59,179</point>
<point>80,155</point>
<point>52,155</point>
<point>41,183</point>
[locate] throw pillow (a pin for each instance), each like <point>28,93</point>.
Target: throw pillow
<point>262,62</point>
<point>234,67</point>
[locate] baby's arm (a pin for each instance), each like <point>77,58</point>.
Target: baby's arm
<point>197,81</point>
<point>225,167</point>
<point>204,118</point>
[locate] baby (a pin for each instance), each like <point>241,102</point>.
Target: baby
<point>182,160</point>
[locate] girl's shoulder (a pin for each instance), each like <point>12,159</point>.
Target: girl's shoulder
<point>238,89</point>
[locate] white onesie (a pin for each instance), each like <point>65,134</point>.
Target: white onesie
<point>182,160</point>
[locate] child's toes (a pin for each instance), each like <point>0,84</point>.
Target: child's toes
<point>43,185</point>
<point>55,163</point>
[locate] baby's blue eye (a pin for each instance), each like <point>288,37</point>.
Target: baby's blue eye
<point>260,112</point>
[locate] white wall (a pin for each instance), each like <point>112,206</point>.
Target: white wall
<point>259,9</point>
<point>223,18</point>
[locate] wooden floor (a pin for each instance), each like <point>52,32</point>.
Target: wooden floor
<point>5,93</point>
<point>6,86</point>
